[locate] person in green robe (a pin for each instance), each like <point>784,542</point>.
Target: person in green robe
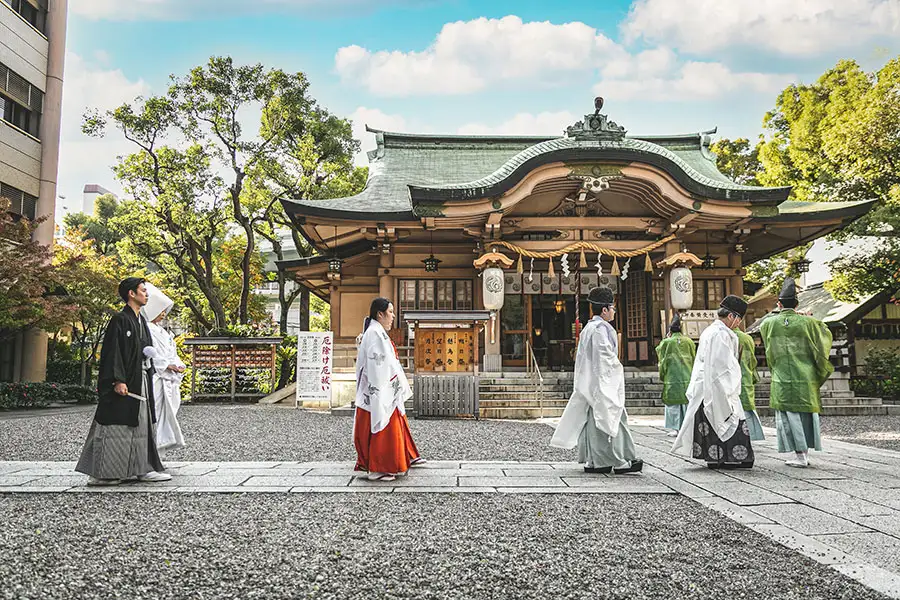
<point>676,359</point>
<point>797,350</point>
<point>749,379</point>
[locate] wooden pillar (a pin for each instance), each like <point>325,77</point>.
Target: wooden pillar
<point>385,279</point>
<point>335,310</point>
<point>736,281</point>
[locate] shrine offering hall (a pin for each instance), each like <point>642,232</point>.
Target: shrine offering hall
<point>489,245</point>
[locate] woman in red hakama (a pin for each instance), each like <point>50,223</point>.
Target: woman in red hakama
<point>381,435</point>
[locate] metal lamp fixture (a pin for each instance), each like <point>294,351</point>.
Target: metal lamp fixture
<point>334,263</point>
<point>709,261</point>
<point>559,305</point>
<point>431,263</point>
<point>802,265</point>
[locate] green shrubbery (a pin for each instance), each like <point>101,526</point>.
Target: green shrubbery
<point>40,395</point>
<point>882,375</point>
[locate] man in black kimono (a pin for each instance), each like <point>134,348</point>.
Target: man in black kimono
<point>120,444</point>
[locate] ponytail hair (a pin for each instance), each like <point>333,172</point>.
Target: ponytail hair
<point>379,305</point>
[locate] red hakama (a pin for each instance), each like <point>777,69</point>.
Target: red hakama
<point>388,451</point>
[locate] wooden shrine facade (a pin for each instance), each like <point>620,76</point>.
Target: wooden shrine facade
<point>592,207</point>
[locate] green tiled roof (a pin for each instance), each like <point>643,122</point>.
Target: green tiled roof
<point>406,168</point>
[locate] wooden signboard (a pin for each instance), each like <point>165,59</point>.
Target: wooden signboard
<point>445,350</point>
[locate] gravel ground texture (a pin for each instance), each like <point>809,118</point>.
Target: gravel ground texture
<point>393,546</point>
<point>252,433</point>
<point>878,431</point>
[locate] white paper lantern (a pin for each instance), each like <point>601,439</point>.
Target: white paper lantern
<point>681,288</point>
<point>492,288</point>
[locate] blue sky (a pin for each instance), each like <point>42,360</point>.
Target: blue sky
<point>460,66</point>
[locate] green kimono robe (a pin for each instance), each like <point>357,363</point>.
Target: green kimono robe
<point>676,359</point>
<point>749,375</point>
<point>797,349</point>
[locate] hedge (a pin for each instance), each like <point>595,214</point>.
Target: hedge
<point>40,395</point>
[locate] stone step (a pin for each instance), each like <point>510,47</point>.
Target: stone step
<point>532,402</point>
<point>855,401</point>
<point>844,411</point>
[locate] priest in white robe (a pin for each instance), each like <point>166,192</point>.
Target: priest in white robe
<point>595,419</point>
<point>714,428</point>
<point>168,371</point>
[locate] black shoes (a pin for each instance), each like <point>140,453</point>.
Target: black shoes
<point>636,466</point>
<point>603,470</point>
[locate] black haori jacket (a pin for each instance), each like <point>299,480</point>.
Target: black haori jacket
<point>121,361</point>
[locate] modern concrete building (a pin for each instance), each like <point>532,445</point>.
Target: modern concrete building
<point>89,195</point>
<point>32,55</point>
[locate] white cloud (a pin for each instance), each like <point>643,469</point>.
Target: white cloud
<point>179,10</point>
<point>82,159</point>
<point>545,123</point>
<point>467,56</point>
<point>791,27</point>
<point>690,81</point>
<point>375,119</point>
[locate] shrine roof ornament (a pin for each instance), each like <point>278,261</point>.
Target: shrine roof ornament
<point>596,126</point>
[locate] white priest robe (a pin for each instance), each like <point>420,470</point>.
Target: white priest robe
<point>715,387</point>
<point>599,385</point>
<point>381,384</point>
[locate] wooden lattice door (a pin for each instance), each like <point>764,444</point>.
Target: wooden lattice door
<point>637,324</point>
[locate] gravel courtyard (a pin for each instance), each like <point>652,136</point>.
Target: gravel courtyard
<point>878,432</point>
<point>393,546</point>
<point>253,433</point>
<point>368,545</point>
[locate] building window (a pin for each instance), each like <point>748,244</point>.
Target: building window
<point>21,104</point>
<point>708,293</point>
<point>31,13</point>
<point>431,294</point>
<point>20,203</point>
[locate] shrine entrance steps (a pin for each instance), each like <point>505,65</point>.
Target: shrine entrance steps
<point>513,395</point>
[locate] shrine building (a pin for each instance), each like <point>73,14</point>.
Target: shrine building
<point>595,206</point>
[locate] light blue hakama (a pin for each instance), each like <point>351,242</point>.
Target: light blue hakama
<point>797,432</point>
<point>753,424</point>
<point>675,416</point>
<point>597,449</point>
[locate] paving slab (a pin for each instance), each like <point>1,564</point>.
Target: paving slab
<point>807,520</point>
<point>743,494</point>
<point>511,482</point>
<point>878,548</point>
<point>878,579</point>
<point>300,481</point>
<point>444,481</point>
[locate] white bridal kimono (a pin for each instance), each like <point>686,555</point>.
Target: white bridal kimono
<point>598,397</point>
<point>166,383</point>
<point>381,384</point>
<point>715,388</point>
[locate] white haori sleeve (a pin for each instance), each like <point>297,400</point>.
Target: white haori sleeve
<point>381,384</point>
<point>715,387</point>
<point>599,385</point>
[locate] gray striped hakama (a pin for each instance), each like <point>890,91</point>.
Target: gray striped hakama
<point>120,451</point>
<point>598,449</point>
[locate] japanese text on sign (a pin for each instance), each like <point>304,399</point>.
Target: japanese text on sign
<point>314,360</point>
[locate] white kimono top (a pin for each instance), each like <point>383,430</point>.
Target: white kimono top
<point>166,388</point>
<point>599,385</point>
<point>381,384</point>
<point>715,387</point>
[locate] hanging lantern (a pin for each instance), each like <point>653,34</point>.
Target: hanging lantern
<point>681,288</point>
<point>334,268</point>
<point>709,262</point>
<point>802,265</point>
<point>559,305</point>
<point>431,264</point>
<point>492,288</point>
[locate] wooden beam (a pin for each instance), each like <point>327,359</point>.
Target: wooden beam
<point>586,223</point>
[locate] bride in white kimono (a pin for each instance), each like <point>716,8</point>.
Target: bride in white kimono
<point>168,371</point>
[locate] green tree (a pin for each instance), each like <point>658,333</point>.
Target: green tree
<point>838,139</point>
<point>29,289</point>
<point>96,226</point>
<point>90,279</point>
<point>738,160</point>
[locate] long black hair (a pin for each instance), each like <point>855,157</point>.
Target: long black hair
<point>379,305</point>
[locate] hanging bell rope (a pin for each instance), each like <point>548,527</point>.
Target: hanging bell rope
<point>581,246</point>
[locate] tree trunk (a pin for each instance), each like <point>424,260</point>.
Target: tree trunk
<point>304,309</point>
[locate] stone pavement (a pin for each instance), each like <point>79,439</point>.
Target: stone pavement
<point>843,511</point>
